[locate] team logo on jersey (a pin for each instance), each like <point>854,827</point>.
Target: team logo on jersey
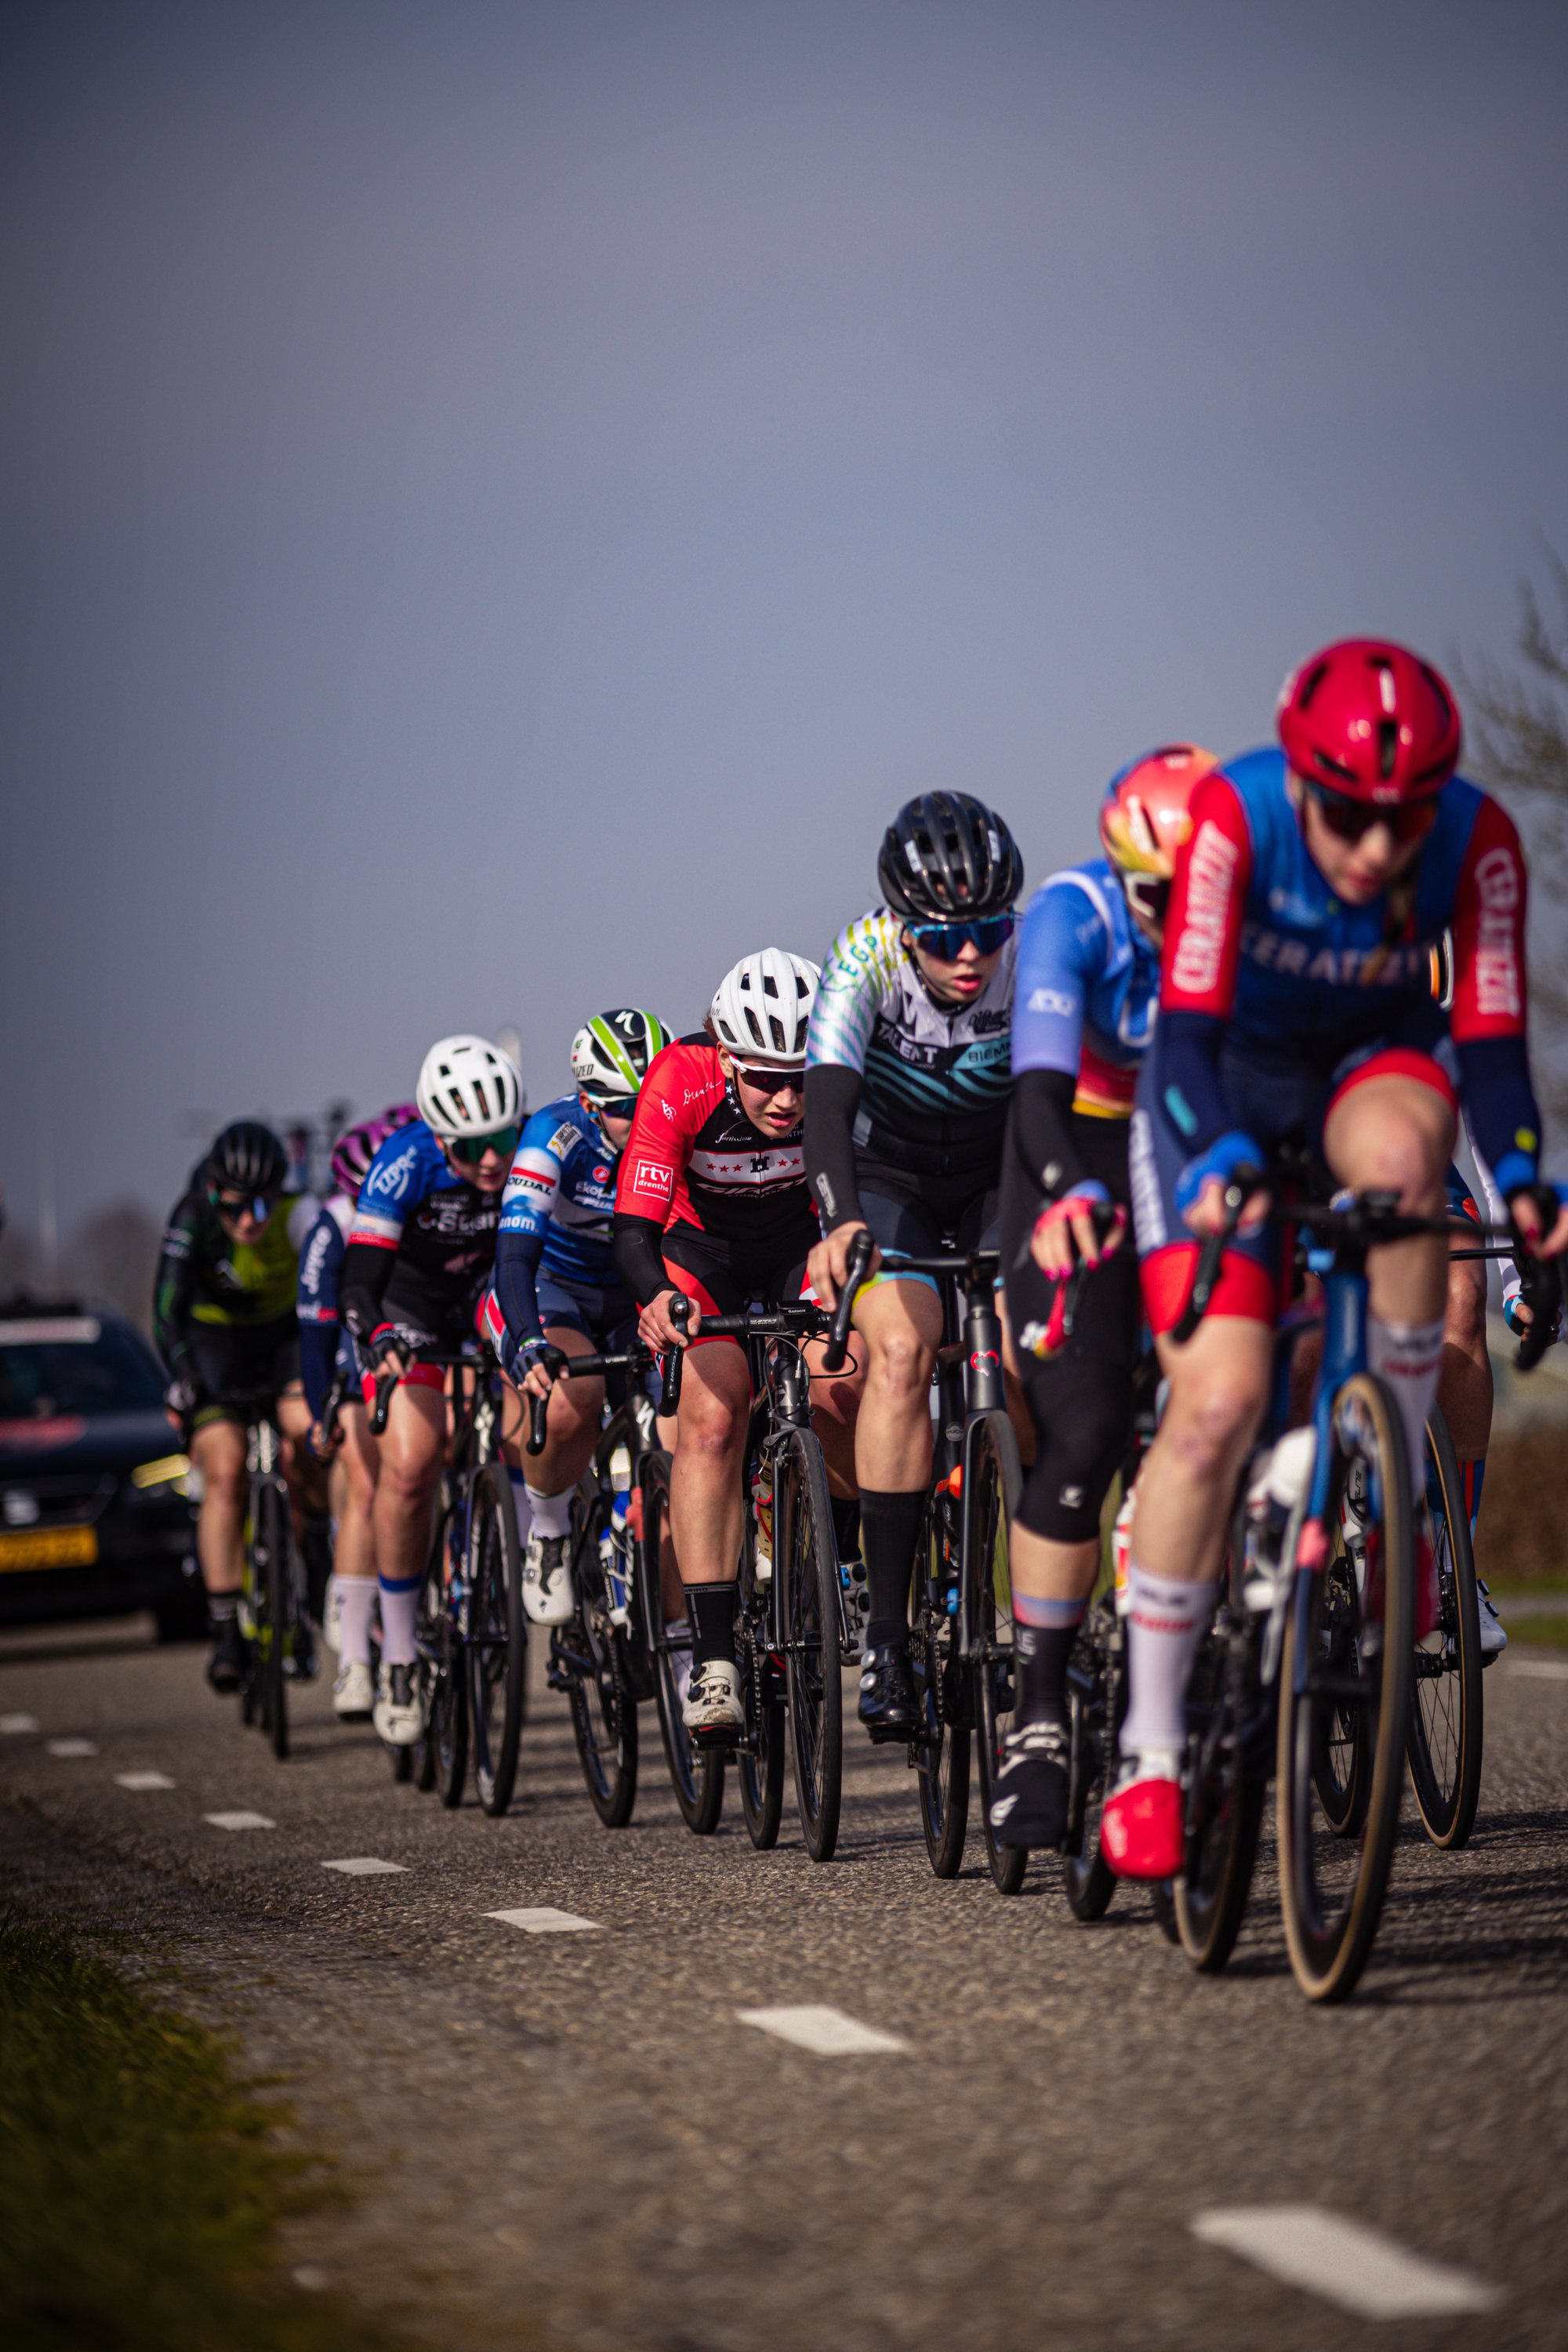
<point>394,1175</point>
<point>653,1176</point>
<point>564,1140</point>
<point>601,1175</point>
<point>1210,872</point>
<point>1051,999</point>
<point>1497,886</point>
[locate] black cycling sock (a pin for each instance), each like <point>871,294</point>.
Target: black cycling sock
<point>1042,1652</point>
<point>890,1530</point>
<point>846,1525</point>
<point>711,1608</point>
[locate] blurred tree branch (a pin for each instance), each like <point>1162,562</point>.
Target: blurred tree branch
<point>1518,746</point>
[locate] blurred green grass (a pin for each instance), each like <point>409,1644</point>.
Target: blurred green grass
<point>141,2179</point>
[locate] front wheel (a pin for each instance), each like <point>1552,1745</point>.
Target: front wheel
<point>598,1676</point>
<point>1331,1887</point>
<point>1096,1694</point>
<point>274,1595</point>
<point>444,1762</point>
<point>760,1766</point>
<point>942,1749</point>
<point>1225,1791</point>
<point>1446,1713</point>
<point>991,1492</point>
<point>697,1774</point>
<point>807,1563</point>
<point>496,1653</point>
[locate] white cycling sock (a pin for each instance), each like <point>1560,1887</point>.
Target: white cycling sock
<point>1165,1623</point>
<point>552,1513</point>
<point>1409,1356</point>
<point>399,1612</point>
<point>356,1602</point>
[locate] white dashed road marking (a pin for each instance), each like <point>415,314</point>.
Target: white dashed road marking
<point>1546,1670</point>
<point>364,1865</point>
<point>239,1820</point>
<point>18,1723</point>
<point>72,1747</point>
<point>543,1922</point>
<point>827,2030</point>
<point>1343,2262</point>
<point>143,1780</point>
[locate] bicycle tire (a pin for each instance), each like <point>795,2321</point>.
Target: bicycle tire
<point>942,1749</point>
<point>1341,1768</point>
<point>1093,1686</point>
<point>805,1561</point>
<point>760,1769</point>
<point>696,1774</point>
<point>1329,1940</point>
<point>1225,1796</point>
<point>991,1494</point>
<point>600,1701</point>
<point>273,1595</point>
<point>1446,1709</point>
<point>495,1652</point>
<point>444,1765</point>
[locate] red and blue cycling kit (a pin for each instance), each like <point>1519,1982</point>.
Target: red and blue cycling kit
<point>553,1262</point>
<point>1277,998</point>
<point>419,1252</point>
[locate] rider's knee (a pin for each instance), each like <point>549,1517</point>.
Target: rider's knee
<point>711,1422</point>
<point>1213,1412</point>
<point>900,1362</point>
<point>410,1479</point>
<point>1400,1153</point>
<point>1465,1320</point>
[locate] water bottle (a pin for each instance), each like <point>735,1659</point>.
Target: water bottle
<point>614,1554</point>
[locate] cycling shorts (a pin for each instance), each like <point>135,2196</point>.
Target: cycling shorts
<point>1277,1103</point>
<point>922,1217</point>
<point>234,1363</point>
<point>724,1278</point>
<point>605,1314</point>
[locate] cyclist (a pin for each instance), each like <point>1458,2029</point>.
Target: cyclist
<point>325,1347</point>
<point>711,1203</point>
<point>417,1261</point>
<point>907,1083</point>
<point>555,1292</point>
<point>1295,1004</point>
<point>223,1319</point>
<point>1087,990</point>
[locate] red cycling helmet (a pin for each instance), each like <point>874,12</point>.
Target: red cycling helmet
<point>1371,720</point>
<point>357,1146</point>
<point>1146,814</point>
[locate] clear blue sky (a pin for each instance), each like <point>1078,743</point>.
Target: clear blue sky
<point>498,505</point>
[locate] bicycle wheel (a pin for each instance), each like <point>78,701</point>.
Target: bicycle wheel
<point>942,1750</point>
<point>1446,1713</point>
<point>990,1502</point>
<point>806,1560</point>
<point>598,1683</point>
<point>1331,1887</point>
<point>444,1763</point>
<point>1094,1683</point>
<point>495,1652</point>
<point>697,1774</point>
<point>272,1597</point>
<point>1224,1799</point>
<point>1341,1766</point>
<point>760,1768</point>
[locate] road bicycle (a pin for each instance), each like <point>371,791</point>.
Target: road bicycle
<point>1446,1714</point>
<point>272,1581</point>
<point>470,1630</point>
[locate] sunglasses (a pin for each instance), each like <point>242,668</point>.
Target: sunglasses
<point>616,1106</point>
<point>470,1150</point>
<point>771,1082</point>
<point>1149,896</point>
<point>943,941</point>
<point>1350,820</point>
<point>260,1207</point>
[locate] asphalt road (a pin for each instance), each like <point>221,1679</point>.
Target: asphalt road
<point>572,2139</point>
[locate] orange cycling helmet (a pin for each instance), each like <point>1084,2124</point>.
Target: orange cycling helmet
<point>1146,817</point>
<point>1371,721</point>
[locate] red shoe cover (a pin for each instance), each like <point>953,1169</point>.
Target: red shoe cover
<point>1141,1829</point>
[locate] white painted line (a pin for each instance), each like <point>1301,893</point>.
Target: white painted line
<point>72,1747</point>
<point>239,1820</point>
<point>828,2031</point>
<point>1546,1670</point>
<point>143,1780</point>
<point>1344,2262</point>
<point>364,1865</point>
<point>543,1922</point>
<point>18,1723</point>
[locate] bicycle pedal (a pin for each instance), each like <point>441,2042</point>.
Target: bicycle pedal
<point>558,1679</point>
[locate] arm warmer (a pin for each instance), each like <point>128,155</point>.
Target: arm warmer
<point>1040,1126</point>
<point>639,1260</point>
<point>172,1299</point>
<point>1191,1101</point>
<point>318,1353</point>
<point>517,1260</point>
<point>1505,1124</point>
<point>362,1287</point>
<point>832,1099</point>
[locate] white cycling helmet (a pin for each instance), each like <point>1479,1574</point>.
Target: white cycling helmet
<point>763,1007</point>
<point>468,1086</point>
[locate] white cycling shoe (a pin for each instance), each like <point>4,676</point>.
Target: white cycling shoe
<point>1493,1637</point>
<point>682,1668</point>
<point>712,1709</point>
<point>546,1580</point>
<point>354,1692</point>
<point>399,1712</point>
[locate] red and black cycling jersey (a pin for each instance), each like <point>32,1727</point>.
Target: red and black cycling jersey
<point>693,1157</point>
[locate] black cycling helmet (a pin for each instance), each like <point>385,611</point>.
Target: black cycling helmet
<point>246,1158</point>
<point>946,858</point>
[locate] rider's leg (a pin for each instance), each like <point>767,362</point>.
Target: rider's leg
<point>900,1324</point>
<point>217,1450</point>
<point>306,1479</point>
<point>706,1522</point>
<point>354,1554</point>
<point>572,1428</point>
<point>411,1453</point>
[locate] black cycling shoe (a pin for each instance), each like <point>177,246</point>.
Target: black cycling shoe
<point>1030,1807</point>
<point>888,1707</point>
<point>227,1661</point>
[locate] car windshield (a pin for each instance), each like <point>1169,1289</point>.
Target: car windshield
<point>74,1364</point>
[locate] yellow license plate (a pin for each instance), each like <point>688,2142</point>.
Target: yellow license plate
<point>48,1548</point>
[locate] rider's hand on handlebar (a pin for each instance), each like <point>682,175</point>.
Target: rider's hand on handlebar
<point>1208,1215</point>
<point>827,1268</point>
<point>537,1365</point>
<point>1065,1233</point>
<point>1540,1234</point>
<point>656,1329</point>
<point>321,1446</point>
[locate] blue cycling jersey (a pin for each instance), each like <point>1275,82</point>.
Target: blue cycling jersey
<point>556,1212</point>
<point>1087,988</point>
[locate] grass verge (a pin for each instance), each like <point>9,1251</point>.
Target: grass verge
<point>142,2180</point>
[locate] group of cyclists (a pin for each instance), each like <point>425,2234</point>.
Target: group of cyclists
<point>1317,947</point>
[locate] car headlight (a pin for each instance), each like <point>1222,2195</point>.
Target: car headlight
<point>169,1470</point>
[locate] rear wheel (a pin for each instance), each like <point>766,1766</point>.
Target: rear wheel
<point>598,1681</point>
<point>941,1752</point>
<point>1446,1713</point>
<point>496,1653</point>
<point>697,1774</point>
<point>991,1501</point>
<point>806,1562</point>
<point>445,1761</point>
<point>1094,1685</point>
<point>1230,1770</point>
<point>1332,1886</point>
